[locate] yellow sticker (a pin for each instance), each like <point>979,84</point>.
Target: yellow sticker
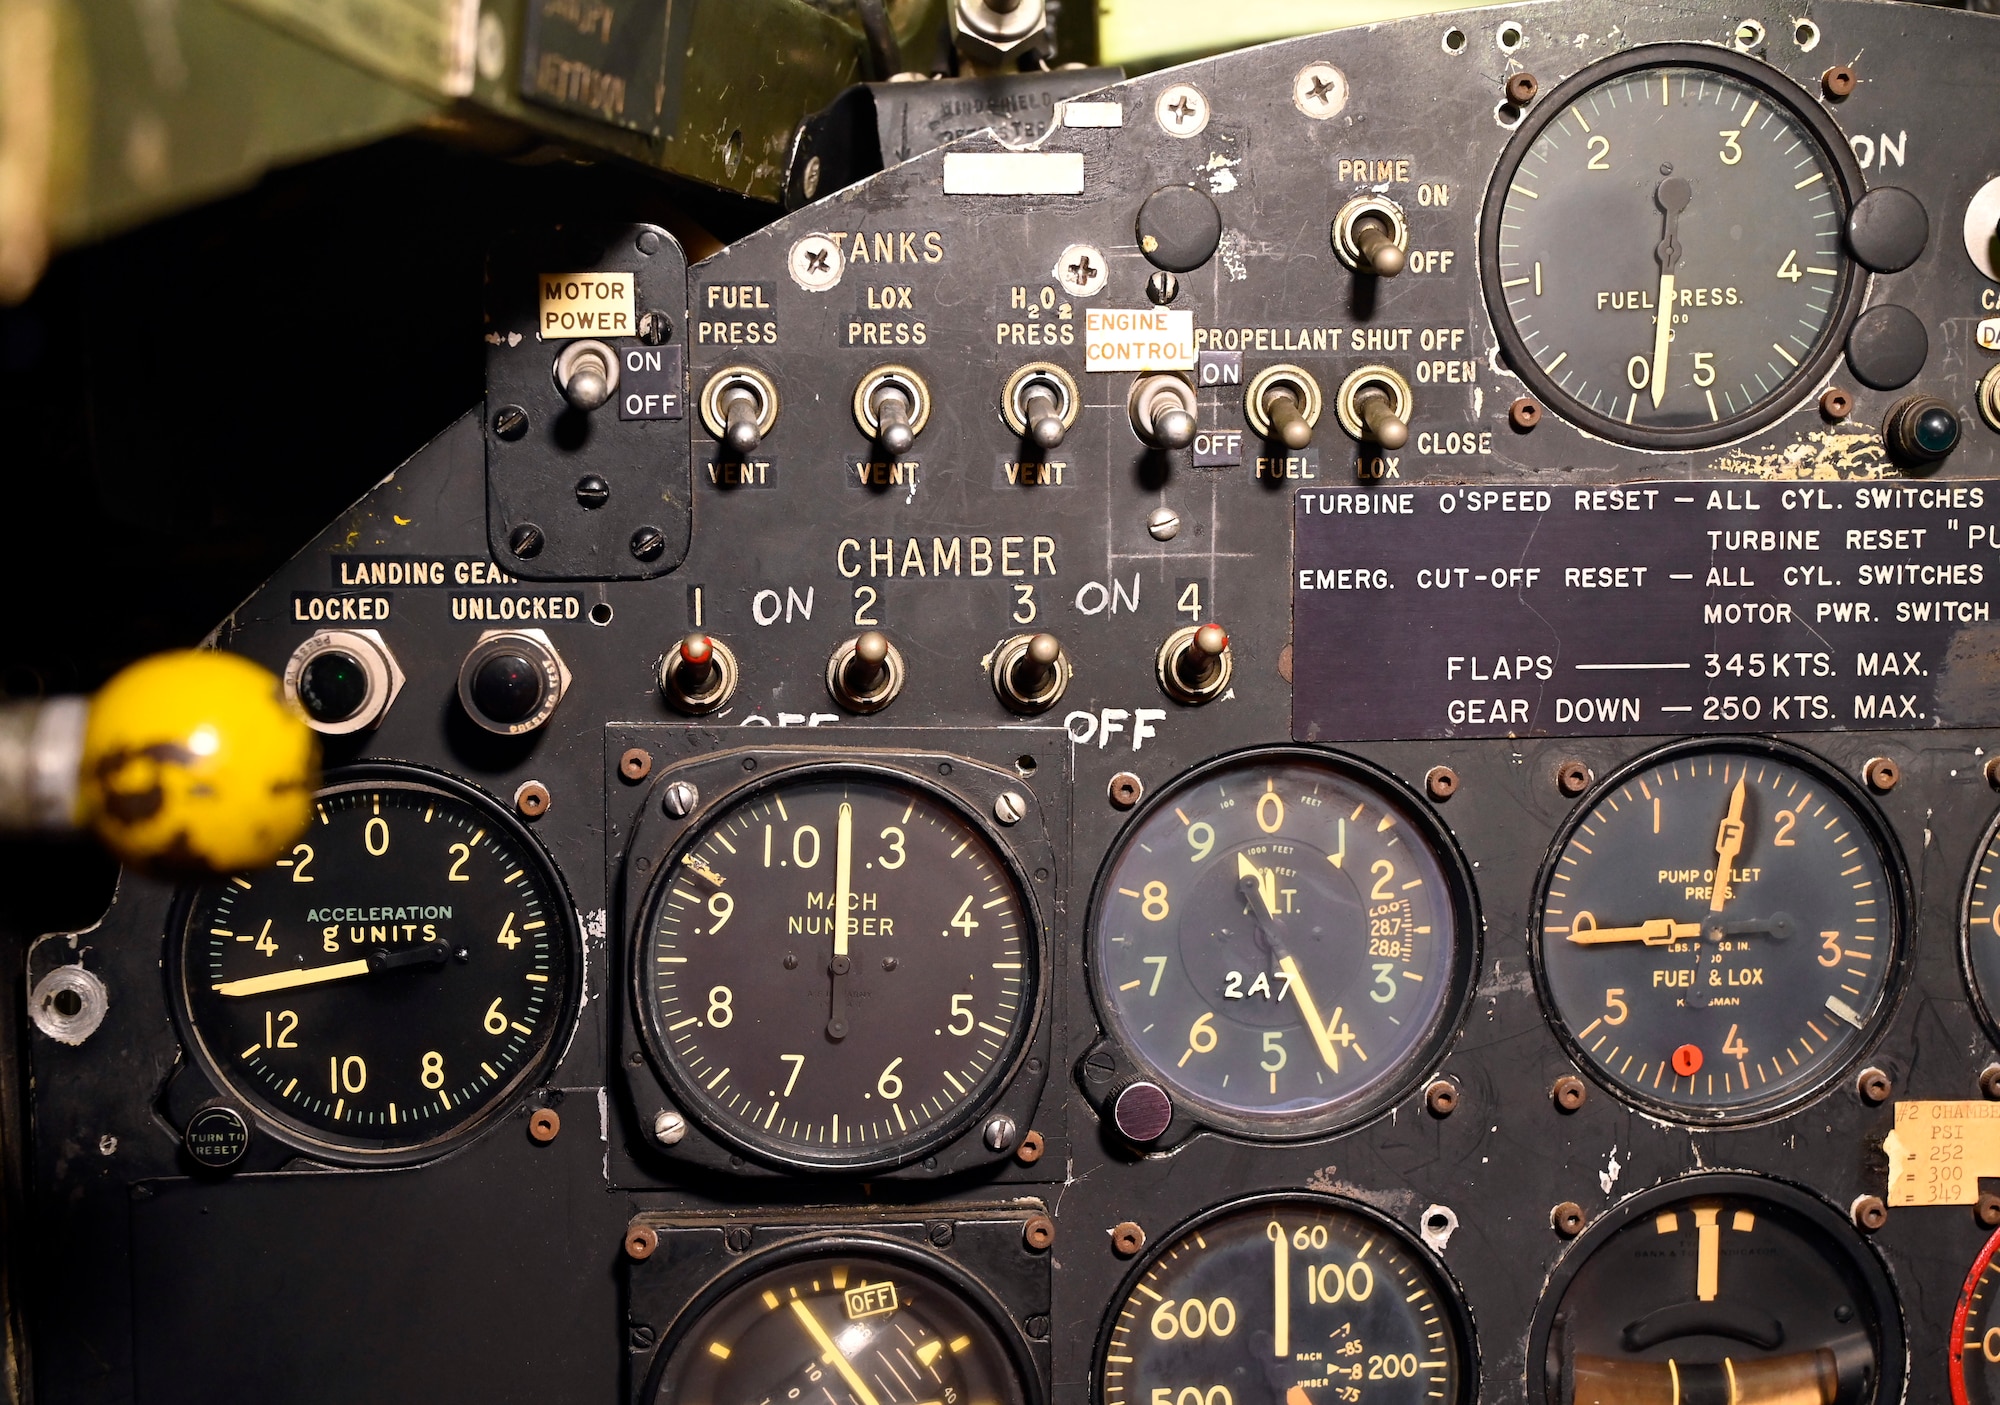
<point>1939,1150</point>
<point>586,305</point>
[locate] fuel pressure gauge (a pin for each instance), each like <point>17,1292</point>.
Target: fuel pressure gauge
<point>1719,929</point>
<point>1299,1299</point>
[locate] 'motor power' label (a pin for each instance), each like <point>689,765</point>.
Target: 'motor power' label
<point>586,305</point>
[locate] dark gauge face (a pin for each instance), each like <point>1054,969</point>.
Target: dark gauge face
<point>818,1042</point>
<point>1975,1334</point>
<point>1299,1299</point>
<point>1680,181</point>
<point>402,971</point>
<point>855,1328</point>
<point>1718,931</point>
<point>1718,1287</point>
<point>1981,937</point>
<point>1282,942</point>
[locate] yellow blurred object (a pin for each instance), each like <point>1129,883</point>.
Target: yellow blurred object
<point>1141,34</point>
<point>195,761</point>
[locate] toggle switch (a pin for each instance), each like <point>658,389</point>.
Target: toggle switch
<point>1040,403</point>
<point>1030,672</point>
<point>739,405</point>
<point>1374,407</point>
<point>892,404</point>
<point>865,673</point>
<point>698,674</point>
<point>1194,664</point>
<point>587,374</point>
<point>1369,236</point>
<point>1283,403</point>
<point>1162,409</point>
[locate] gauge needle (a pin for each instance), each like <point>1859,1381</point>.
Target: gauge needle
<point>432,953</point>
<point>1263,882</point>
<point>833,1354</point>
<point>843,878</point>
<point>1673,196</point>
<point>1658,931</point>
<point>1267,881</point>
<point>1728,847</point>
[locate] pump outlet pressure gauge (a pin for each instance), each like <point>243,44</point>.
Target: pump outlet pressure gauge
<point>1300,1299</point>
<point>403,971</point>
<point>1719,930</point>
<point>1283,940</point>
<point>1662,248</point>
<point>839,970</point>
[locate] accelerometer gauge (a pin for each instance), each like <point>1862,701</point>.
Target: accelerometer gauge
<point>1718,930</point>
<point>1662,247</point>
<point>1303,1299</point>
<point>858,1322</point>
<point>1975,1333</point>
<point>1980,936</point>
<point>396,978</point>
<point>1283,941</point>
<point>1718,1287</point>
<point>839,970</point>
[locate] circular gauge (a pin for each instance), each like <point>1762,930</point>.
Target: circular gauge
<point>1718,1287</point>
<point>1980,929</point>
<point>1975,1334</point>
<point>849,1044</point>
<point>1283,939</point>
<point>855,1322</point>
<point>1718,930</point>
<point>1662,247</point>
<point>402,972</point>
<point>1303,1299</point>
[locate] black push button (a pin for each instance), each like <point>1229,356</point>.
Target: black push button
<point>1179,228</point>
<point>1887,347</point>
<point>1888,229</point>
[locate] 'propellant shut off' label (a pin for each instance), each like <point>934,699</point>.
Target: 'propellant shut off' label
<point>1644,608</point>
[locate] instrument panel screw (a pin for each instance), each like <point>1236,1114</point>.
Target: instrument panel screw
<point>1441,782</point>
<point>669,1127</point>
<point>1836,404</point>
<point>1882,774</point>
<point>1319,90</point>
<point>510,422</point>
<point>1869,1212</point>
<point>1009,808</point>
<point>1038,1233</point>
<point>1163,524</point>
<point>648,242</point>
<point>1987,1211</point>
<point>940,1233</point>
<point>654,327</point>
<point>592,491</point>
<point>636,764</point>
<point>1838,81</point>
<point>736,1239</point>
<point>1568,1092</point>
<point>1874,1086</point>
<point>1127,1239</point>
<point>1572,777</point>
<point>531,798</point>
<point>1521,89</point>
<point>1524,414</point>
<point>525,541</point>
<point>640,1242</point>
<point>999,1132</point>
<point>1037,1327</point>
<point>1989,1082</point>
<point>1567,1218</point>
<point>1182,110</point>
<point>1441,1097</point>
<point>1163,288</point>
<point>543,1124</point>
<point>680,799</point>
<point>1030,1149</point>
<point>648,543</point>
<point>641,1338</point>
<point>1125,790</point>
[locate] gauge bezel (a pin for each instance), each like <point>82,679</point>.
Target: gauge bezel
<point>1452,1301</point>
<point>1887,849</point>
<point>1955,1357</point>
<point>369,1151</point>
<point>692,1100</point>
<point>1892,1363</point>
<point>974,1294</point>
<point>1427,1053</point>
<point>1988,837</point>
<point>1797,389</point>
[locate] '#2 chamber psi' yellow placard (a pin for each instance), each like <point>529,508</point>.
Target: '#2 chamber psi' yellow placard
<point>1939,1150</point>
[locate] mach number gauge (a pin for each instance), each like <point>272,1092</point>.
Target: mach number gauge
<point>1981,929</point>
<point>854,1322</point>
<point>822,1042</point>
<point>395,979</point>
<point>1726,1288</point>
<point>1282,941</point>
<point>1719,930</point>
<point>1663,247</point>
<point>1299,1299</point>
